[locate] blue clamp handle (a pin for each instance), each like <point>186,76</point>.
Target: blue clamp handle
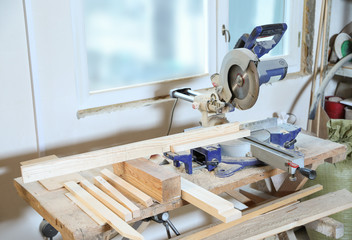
<point>262,47</point>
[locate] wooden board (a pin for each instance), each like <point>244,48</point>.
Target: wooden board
<point>113,205</point>
<point>55,182</point>
<point>285,219</point>
<point>38,160</point>
<point>156,181</point>
<point>102,211</point>
<point>115,194</point>
<point>208,141</point>
<point>209,202</point>
<point>127,189</point>
<point>250,214</point>
<point>62,166</point>
<point>58,182</point>
<point>85,209</point>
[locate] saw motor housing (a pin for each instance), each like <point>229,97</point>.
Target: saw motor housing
<point>241,74</point>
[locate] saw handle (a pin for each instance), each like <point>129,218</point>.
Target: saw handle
<point>308,173</point>
<point>262,47</point>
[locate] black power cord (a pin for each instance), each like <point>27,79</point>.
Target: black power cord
<point>172,117</point>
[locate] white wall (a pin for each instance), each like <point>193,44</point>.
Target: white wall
<point>17,127</point>
<point>61,132</point>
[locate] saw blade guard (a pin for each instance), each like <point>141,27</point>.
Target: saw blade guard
<point>239,78</point>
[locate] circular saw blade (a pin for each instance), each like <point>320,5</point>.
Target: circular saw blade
<point>244,86</point>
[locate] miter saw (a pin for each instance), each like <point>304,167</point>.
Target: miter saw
<point>237,86</point>
<point>241,74</point>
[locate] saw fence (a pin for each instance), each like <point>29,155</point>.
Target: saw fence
<point>96,194</point>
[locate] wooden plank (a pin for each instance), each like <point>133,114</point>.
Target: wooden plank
<point>161,184</point>
<point>139,226</point>
<point>85,209</point>
<point>102,211</point>
<point>327,226</point>
<point>115,194</point>
<point>205,142</point>
<point>288,218</point>
<point>113,205</point>
<point>38,160</point>
<point>104,157</point>
<point>209,202</point>
<point>126,188</point>
<point>252,213</point>
<point>58,182</point>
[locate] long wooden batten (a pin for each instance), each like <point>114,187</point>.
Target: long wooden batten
<point>39,170</point>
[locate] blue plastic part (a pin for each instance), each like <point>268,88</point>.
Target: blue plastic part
<point>205,155</point>
<point>263,47</point>
<point>264,78</point>
<point>282,138</point>
<point>201,155</point>
<point>185,158</point>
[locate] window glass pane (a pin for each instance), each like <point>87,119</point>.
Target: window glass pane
<point>139,41</point>
<point>244,16</point>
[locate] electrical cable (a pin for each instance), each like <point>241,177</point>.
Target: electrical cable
<point>172,117</point>
<point>325,82</point>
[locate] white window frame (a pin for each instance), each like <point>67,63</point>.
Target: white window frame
<point>294,12</point>
<point>92,99</point>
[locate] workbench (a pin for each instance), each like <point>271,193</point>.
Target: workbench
<point>73,223</point>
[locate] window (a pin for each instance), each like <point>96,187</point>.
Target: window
<point>244,16</point>
<point>142,41</point>
<point>130,50</point>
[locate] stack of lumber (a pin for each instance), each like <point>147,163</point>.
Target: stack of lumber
<point>114,199</point>
<point>105,201</point>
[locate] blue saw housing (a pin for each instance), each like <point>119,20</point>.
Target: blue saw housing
<point>268,70</point>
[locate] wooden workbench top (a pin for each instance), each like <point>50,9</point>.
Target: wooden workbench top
<point>73,223</point>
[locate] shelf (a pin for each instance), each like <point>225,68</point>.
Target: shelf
<point>344,71</point>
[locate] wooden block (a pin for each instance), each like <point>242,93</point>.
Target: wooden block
<point>159,183</point>
<point>102,211</point>
<point>113,205</point>
<point>209,202</point>
<point>58,182</point>
<point>85,161</point>
<point>115,194</point>
<point>127,189</point>
<point>251,213</point>
<point>85,209</point>
<point>327,226</point>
